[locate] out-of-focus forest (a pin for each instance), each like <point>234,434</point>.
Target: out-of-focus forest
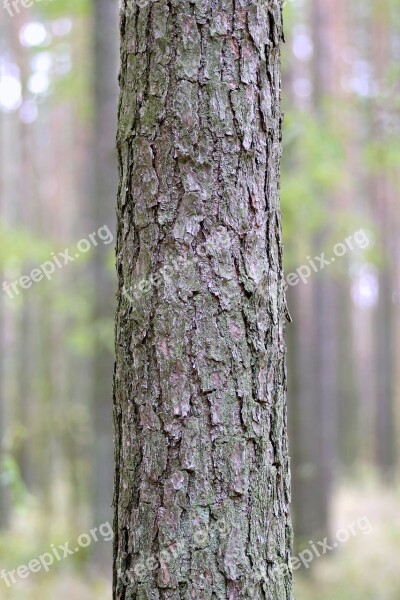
<point>58,183</point>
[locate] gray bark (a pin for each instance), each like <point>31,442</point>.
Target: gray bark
<point>202,484</point>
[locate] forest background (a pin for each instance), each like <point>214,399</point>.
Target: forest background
<point>341,216</point>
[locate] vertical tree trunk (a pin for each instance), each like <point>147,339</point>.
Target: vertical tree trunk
<point>315,339</point>
<point>202,484</point>
<point>103,204</point>
<point>384,318</point>
<point>349,405</point>
<point>4,492</point>
<point>4,396</point>
<point>305,419</point>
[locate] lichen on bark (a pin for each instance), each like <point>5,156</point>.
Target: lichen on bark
<point>202,486</point>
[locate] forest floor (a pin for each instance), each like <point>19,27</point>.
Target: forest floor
<point>59,586</point>
<point>366,567</point>
<point>363,567</point>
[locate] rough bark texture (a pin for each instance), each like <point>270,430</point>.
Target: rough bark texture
<point>202,476</point>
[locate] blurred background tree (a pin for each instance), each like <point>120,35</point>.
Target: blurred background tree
<point>340,174</point>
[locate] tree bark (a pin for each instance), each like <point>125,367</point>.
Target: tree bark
<point>202,484</point>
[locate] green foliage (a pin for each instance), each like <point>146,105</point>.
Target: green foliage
<point>10,477</point>
<point>71,299</point>
<point>75,85</point>
<point>74,302</point>
<point>383,157</point>
<point>61,8</point>
<point>105,333</point>
<point>19,245</point>
<point>312,169</point>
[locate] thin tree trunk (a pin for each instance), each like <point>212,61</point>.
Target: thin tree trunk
<point>202,484</point>
<point>314,383</point>
<point>304,418</point>
<point>349,408</point>
<point>384,318</point>
<point>4,492</point>
<point>103,203</point>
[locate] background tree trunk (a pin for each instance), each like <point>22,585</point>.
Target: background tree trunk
<point>104,190</point>
<point>384,316</point>
<point>202,484</point>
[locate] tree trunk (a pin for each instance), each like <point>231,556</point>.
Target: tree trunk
<point>103,194</point>
<point>384,318</point>
<point>4,492</point>
<point>202,484</point>
<point>304,419</point>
